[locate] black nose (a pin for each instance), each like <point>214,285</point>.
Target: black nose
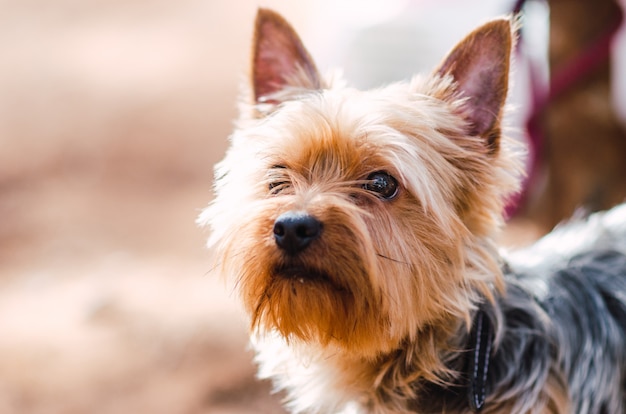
<point>295,230</point>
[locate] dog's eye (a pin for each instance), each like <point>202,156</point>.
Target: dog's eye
<point>277,186</point>
<point>383,184</point>
<point>277,178</point>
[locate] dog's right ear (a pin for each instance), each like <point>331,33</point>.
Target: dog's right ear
<point>279,59</point>
<point>479,65</point>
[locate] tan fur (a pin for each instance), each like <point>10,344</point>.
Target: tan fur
<point>395,280</point>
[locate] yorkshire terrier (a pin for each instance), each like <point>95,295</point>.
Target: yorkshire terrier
<point>359,226</point>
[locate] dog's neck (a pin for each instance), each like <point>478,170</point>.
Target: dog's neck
<point>401,374</point>
<point>481,344</point>
<point>400,381</point>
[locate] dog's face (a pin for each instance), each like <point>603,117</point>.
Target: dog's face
<point>361,219</point>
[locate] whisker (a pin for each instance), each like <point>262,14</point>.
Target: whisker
<point>218,264</point>
<point>393,260</point>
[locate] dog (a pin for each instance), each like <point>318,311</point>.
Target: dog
<point>359,229</point>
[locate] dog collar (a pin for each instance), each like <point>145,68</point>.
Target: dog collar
<point>481,338</point>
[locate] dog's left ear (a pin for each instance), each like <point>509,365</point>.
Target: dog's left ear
<point>480,66</point>
<point>279,59</point>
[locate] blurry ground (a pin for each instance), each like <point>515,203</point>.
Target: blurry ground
<point>112,114</point>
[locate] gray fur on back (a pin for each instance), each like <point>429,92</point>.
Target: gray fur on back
<point>564,315</point>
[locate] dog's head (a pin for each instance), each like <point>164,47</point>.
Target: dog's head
<point>361,219</point>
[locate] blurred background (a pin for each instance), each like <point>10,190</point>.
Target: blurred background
<point>112,114</point>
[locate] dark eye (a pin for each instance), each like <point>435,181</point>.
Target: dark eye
<point>278,180</point>
<point>277,186</point>
<point>383,184</point>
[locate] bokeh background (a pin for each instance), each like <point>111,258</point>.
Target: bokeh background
<point>112,114</point>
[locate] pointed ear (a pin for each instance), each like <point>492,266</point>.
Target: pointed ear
<point>480,66</point>
<point>279,58</point>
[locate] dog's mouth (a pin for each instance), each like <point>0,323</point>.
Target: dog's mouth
<point>302,274</point>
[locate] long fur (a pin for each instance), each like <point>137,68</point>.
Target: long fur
<point>376,315</point>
